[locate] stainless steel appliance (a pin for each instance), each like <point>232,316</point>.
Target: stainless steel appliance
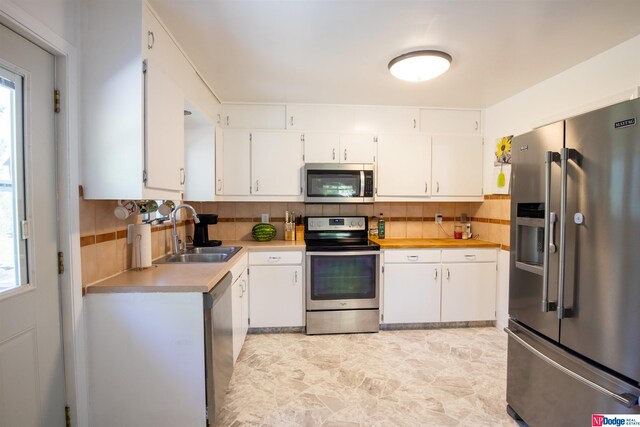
<point>218,345</point>
<point>574,293</point>
<point>343,286</point>
<point>338,183</point>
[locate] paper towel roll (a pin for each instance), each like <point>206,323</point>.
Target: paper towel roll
<point>140,236</point>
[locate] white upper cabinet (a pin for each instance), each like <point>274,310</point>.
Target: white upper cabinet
<point>435,122</point>
<point>233,168</point>
<point>386,119</point>
<point>276,161</point>
<point>200,156</point>
<point>357,148</point>
<point>457,165</point>
<point>328,118</point>
<point>252,116</point>
<point>321,147</point>
<point>133,101</point>
<point>404,165</point>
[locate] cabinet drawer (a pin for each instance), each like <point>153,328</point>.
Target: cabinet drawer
<point>275,258</point>
<point>411,255</point>
<point>240,266</point>
<point>469,255</point>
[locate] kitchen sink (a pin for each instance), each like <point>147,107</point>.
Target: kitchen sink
<point>199,255</point>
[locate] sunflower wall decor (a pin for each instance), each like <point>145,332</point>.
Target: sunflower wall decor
<point>503,150</point>
<point>503,157</point>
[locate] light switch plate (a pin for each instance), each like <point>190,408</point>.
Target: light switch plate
<point>264,217</point>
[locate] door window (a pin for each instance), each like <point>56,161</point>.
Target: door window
<point>13,246</point>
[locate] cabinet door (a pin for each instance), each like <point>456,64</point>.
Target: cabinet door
<point>236,317</point>
<point>357,148</point>
<point>404,165</point>
<point>235,170</point>
<point>386,119</point>
<point>331,118</point>
<point>435,122</point>
<point>468,292</point>
<point>252,116</point>
<point>276,159</point>
<point>276,296</point>
<point>164,130</point>
<point>411,293</point>
<point>457,165</point>
<point>321,147</point>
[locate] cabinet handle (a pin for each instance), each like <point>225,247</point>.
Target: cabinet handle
<point>219,185</point>
<point>295,277</point>
<point>273,259</point>
<point>437,186</point>
<point>219,119</point>
<point>291,120</point>
<point>183,176</point>
<point>415,123</point>
<point>345,154</point>
<point>333,154</point>
<point>435,274</point>
<point>151,40</point>
<point>257,185</point>
<point>242,290</point>
<point>412,257</point>
<point>448,274</point>
<point>425,186</point>
<point>471,257</point>
<point>227,120</point>
<point>477,125</point>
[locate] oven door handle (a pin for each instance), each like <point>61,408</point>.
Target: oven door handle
<point>343,253</point>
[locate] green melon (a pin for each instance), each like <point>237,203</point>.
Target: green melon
<point>263,232</point>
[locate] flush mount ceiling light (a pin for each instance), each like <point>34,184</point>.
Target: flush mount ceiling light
<point>420,65</point>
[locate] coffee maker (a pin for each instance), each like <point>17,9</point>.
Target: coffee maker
<point>201,231</point>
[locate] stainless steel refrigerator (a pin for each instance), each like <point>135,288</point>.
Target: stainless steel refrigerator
<point>574,286</point>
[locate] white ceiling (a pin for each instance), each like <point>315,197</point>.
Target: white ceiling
<point>337,51</point>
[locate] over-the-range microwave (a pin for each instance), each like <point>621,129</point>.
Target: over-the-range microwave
<point>338,183</point>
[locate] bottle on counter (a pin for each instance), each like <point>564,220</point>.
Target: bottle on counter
<point>381,227</point>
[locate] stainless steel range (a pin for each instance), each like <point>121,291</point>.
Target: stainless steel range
<point>343,286</point>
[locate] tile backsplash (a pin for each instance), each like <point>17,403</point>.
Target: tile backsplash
<point>105,251</point>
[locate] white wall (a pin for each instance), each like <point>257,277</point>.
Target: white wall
<point>610,77</point>
<point>60,16</point>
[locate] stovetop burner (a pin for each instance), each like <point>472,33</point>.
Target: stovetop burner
<point>344,233</point>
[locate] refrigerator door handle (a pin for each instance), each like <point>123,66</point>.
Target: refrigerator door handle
<point>549,224</point>
<point>626,399</point>
<point>564,159</point>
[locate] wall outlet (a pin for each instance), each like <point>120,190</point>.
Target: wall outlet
<point>438,218</point>
<point>264,217</point>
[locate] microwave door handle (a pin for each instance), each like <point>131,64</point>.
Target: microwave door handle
<point>361,183</point>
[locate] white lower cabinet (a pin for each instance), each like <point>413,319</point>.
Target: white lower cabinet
<point>433,285</point>
<point>276,296</point>
<point>468,285</point>
<point>240,312</point>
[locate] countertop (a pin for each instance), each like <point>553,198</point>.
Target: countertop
<point>433,243</point>
<point>202,277</point>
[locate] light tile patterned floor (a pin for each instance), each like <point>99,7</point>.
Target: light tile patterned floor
<point>438,377</point>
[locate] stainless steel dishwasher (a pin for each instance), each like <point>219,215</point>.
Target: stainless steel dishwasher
<point>218,340</point>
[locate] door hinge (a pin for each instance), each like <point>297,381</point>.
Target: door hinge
<point>249,321</point>
<point>56,101</point>
<point>303,157</point>
<point>67,415</point>
<point>247,271</point>
<point>144,176</point>
<point>24,229</point>
<point>382,317</point>
<point>60,262</point>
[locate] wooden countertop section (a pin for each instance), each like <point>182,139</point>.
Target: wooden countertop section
<point>433,243</point>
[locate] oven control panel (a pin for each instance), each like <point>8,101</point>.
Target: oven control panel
<point>351,223</point>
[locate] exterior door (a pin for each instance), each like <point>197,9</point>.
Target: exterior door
<point>31,358</point>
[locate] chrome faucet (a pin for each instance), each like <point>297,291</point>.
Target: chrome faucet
<point>176,238</point>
